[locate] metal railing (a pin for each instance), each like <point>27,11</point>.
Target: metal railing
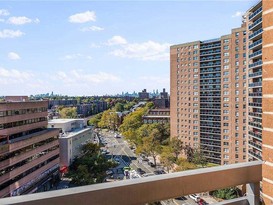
<point>255,13</point>
<point>255,44</point>
<point>255,23</point>
<point>258,63</point>
<point>256,33</point>
<point>155,188</point>
<point>251,75</point>
<point>259,52</point>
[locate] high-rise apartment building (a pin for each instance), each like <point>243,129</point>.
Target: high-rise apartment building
<point>259,20</point>
<point>254,32</point>
<point>208,96</point>
<point>29,152</point>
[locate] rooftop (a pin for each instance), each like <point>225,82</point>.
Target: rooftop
<point>74,133</point>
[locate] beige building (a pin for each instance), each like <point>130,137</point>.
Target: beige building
<point>73,134</point>
<point>208,96</point>
<point>29,152</point>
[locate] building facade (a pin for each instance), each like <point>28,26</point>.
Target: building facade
<point>259,20</point>
<point>208,96</point>
<point>73,134</point>
<point>29,152</point>
<point>161,116</point>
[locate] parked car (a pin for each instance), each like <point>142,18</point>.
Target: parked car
<point>151,164</point>
<point>140,171</point>
<point>195,197</point>
<point>109,172</point>
<point>157,172</point>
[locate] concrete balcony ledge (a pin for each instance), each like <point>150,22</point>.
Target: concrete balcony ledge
<point>155,188</point>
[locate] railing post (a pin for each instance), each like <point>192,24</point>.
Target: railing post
<point>253,193</point>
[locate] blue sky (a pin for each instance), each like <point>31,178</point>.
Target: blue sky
<point>101,47</point>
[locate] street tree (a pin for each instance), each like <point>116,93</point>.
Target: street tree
<point>68,112</point>
<point>176,147</point>
<point>167,157</point>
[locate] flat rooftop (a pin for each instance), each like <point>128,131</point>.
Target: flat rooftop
<point>75,132</point>
<point>61,121</point>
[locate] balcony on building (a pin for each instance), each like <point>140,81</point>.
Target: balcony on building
<point>256,24</point>
<point>256,54</point>
<point>257,145</point>
<point>256,44</point>
<point>157,188</point>
<point>255,14</point>
<point>256,34</point>
<point>257,134</point>
<point>255,64</point>
<point>257,155</point>
<point>257,73</point>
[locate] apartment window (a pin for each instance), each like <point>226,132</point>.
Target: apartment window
<point>226,60</point>
<point>195,46</point>
<point>226,85</point>
<point>226,47</point>
<point>226,40</point>
<point>226,54</point>
<point>195,127</point>
<point>237,34</point>
<point>195,52</point>
<point>195,99</point>
<point>226,93</point>
<point>226,124</point>
<point>236,156</point>
<point>225,79</point>
<point>236,142</point>
<point>195,75</point>
<point>226,156</point>
<point>244,62</point>
<point>195,110</point>
<point>244,92</point>
<point>195,104</point>
<point>237,63</point>
<point>236,134</point>
<point>244,48</point>
<point>237,114</point>
<point>226,150</point>
<point>226,143</point>
<point>226,66</point>
<point>226,137</point>
<point>225,130</point>
<point>226,105</point>
<point>225,118</point>
<point>195,133</point>
<point>237,41</point>
<point>195,58</point>
<point>195,64</point>
<point>237,48</point>
<point>236,149</point>
<point>236,92</point>
<point>195,87</point>
<point>236,128</point>
<point>225,111</point>
<point>195,121</point>
<point>195,81</point>
<point>226,73</point>
<point>195,70</point>
<point>226,99</point>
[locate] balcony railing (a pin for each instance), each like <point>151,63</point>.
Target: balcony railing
<point>255,23</point>
<point>255,145</point>
<point>252,75</point>
<point>257,84</point>
<point>255,114</point>
<point>257,135</point>
<point>257,53</point>
<point>255,44</point>
<point>155,188</point>
<point>255,13</point>
<point>255,34</point>
<point>210,52</point>
<point>255,104</point>
<point>255,155</point>
<point>258,63</point>
<point>256,124</point>
<point>255,94</point>
<point>210,46</point>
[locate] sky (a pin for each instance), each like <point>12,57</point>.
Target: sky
<point>102,47</point>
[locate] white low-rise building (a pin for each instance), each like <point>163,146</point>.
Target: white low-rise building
<point>73,134</point>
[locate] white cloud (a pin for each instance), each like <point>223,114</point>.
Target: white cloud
<point>237,14</point>
<point>2,20</point>
<point>13,56</point>
<point>76,56</point>
<point>149,50</point>
<point>8,76</point>
<point>116,40</point>
<point>6,33</point>
<point>92,28</point>
<point>21,20</point>
<point>4,12</point>
<point>83,17</point>
<point>94,45</point>
<point>81,77</point>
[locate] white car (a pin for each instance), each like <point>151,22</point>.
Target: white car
<point>195,197</point>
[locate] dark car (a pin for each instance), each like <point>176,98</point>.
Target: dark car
<point>140,171</point>
<point>157,172</point>
<point>151,164</point>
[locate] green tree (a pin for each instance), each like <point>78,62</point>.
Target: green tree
<point>227,193</point>
<point>167,157</point>
<point>184,164</point>
<point>119,107</point>
<point>91,167</point>
<point>68,112</point>
<point>151,146</point>
<point>109,119</point>
<point>95,120</point>
<point>199,158</point>
<point>176,147</point>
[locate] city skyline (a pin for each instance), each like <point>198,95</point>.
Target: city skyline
<point>82,48</point>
